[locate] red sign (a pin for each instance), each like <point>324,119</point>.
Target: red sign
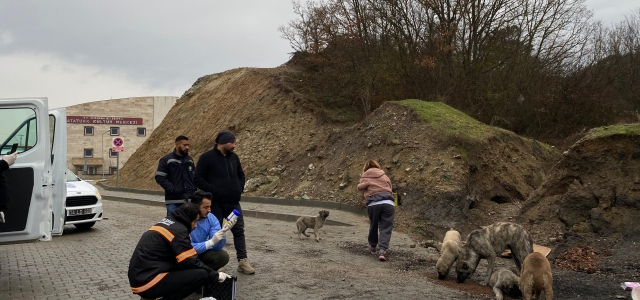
<point>103,120</point>
<point>118,142</point>
<point>118,145</point>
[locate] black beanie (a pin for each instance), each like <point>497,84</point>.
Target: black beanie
<point>224,137</point>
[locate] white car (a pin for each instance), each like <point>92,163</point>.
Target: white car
<point>83,204</point>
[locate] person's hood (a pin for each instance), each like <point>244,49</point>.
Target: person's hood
<point>182,218</point>
<point>373,173</point>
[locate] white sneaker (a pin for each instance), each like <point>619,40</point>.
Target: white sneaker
<point>208,298</point>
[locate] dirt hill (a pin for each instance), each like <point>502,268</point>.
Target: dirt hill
<point>593,191</point>
<point>450,169</point>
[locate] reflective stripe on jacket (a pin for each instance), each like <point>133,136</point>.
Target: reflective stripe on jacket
<point>175,175</point>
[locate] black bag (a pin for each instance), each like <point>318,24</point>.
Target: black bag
<point>221,291</point>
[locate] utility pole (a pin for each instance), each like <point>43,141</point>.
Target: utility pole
<point>103,152</point>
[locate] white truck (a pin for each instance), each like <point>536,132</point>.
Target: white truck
<point>37,180</point>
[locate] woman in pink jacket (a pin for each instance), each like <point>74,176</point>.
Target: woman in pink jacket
<point>375,186</point>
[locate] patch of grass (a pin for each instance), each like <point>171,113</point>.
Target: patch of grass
<point>605,131</point>
<point>450,121</point>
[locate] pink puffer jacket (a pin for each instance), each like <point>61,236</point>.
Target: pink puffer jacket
<point>374,181</point>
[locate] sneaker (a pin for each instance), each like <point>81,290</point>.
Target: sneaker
<point>208,298</point>
<point>373,250</point>
<point>1,217</point>
<point>245,267</point>
<point>381,255</point>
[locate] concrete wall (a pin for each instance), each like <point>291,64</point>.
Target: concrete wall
<point>161,107</point>
<point>101,140</point>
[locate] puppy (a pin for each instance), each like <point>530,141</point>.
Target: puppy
<point>536,277</point>
<point>504,281</point>
<point>311,222</point>
<point>449,252</point>
<point>488,243</point>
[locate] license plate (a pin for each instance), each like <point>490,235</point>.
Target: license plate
<point>76,212</point>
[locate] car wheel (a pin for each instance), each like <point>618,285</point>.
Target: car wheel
<point>84,225</point>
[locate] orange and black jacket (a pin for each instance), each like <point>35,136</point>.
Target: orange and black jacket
<point>164,248</point>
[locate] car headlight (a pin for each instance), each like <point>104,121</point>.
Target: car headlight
<point>98,195</point>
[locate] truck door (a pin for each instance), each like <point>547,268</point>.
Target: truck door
<point>58,142</point>
<point>25,122</point>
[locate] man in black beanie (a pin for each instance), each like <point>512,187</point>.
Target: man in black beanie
<point>219,172</point>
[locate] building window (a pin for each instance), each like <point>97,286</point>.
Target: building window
<point>115,130</point>
<point>113,154</point>
<point>91,170</point>
<point>88,130</point>
<point>113,170</point>
<point>88,152</point>
<point>142,131</point>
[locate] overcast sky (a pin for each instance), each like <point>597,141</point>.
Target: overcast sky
<point>74,51</point>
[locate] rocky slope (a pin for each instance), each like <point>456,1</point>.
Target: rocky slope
<point>593,192</point>
<point>450,169</point>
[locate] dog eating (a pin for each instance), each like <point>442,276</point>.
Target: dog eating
<point>505,282</point>
<point>311,222</point>
<point>489,242</point>
<point>449,252</point>
<point>536,277</point>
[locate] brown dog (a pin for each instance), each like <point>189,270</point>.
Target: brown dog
<point>311,222</point>
<point>504,281</point>
<point>449,252</point>
<point>488,243</point>
<point>536,277</point>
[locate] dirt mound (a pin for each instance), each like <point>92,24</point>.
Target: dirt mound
<point>451,170</point>
<point>593,192</point>
<point>251,102</point>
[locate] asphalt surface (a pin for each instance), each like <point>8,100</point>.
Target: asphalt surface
<point>93,264</point>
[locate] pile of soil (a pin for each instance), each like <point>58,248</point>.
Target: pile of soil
<point>593,192</point>
<point>451,170</point>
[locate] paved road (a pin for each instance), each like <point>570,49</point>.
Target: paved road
<point>93,264</point>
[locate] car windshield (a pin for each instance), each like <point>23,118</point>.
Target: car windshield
<point>72,177</point>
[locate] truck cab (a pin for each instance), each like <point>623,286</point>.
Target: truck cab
<point>37,180</point>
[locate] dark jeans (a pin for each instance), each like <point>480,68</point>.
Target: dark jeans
<point>214,259</point>
<point>380,215</point>
<point>171,207</point>
<point>178,285</point>
<point>221,211</point>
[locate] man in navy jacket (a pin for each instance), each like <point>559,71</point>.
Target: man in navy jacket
<point>175,175</point>
<point>220,173</point>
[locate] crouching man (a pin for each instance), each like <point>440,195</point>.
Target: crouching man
<point>164,264</point>
<point>209,237</point>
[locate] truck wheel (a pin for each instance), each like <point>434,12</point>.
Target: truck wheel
<point>84,225</point>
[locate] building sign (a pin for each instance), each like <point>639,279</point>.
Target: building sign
<point>117,144</point>
<point>103,120</point>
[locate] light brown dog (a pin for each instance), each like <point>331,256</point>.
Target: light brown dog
<point>311,222</point>
<point>536,277</point>
<point>449,252</point>
<point>505,281</point>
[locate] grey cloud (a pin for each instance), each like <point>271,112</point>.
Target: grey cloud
<point>159,43</point>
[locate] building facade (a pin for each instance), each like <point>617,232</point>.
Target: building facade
<point>93,128</point>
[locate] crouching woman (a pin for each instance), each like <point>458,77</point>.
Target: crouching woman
<point>375,186</point>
